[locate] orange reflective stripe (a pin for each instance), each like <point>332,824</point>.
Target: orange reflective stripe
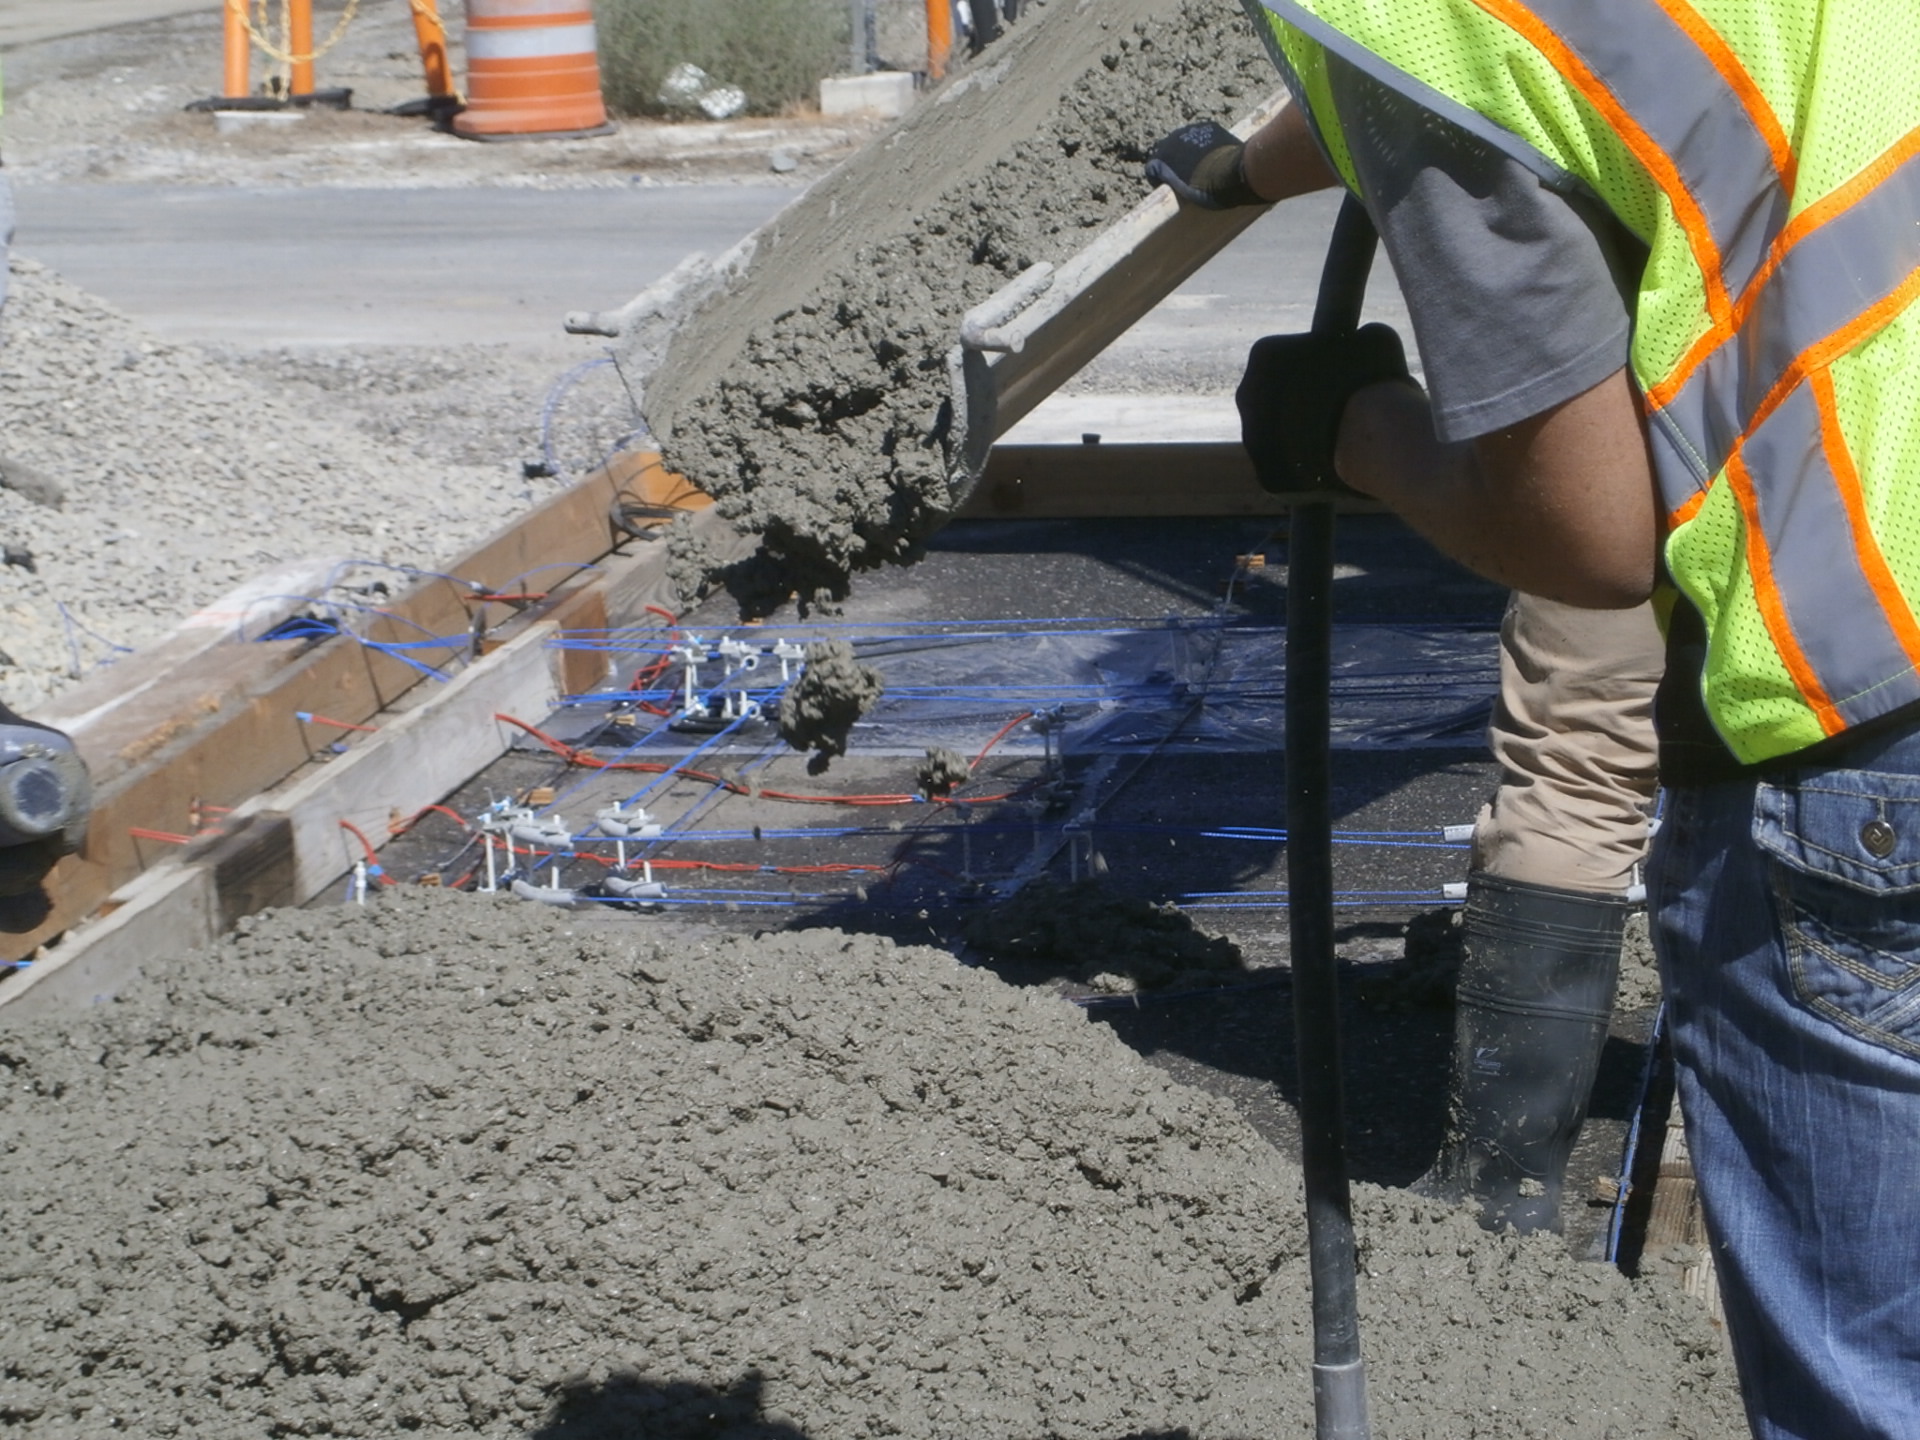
<point>1873,562</point>
<point>1773,612</point>
<point>1686,210</point>
<point>1822,354</point>
<point>1827,209</point>
<point>1686,512</point>
<point>1661,395</point>
<point>1785,163</point>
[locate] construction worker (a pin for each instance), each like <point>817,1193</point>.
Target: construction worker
<point>1558,846</point>
<point>1755,460</point>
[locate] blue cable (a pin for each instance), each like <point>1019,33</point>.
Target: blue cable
<point>73,644</point>
<point>1617,1221</point>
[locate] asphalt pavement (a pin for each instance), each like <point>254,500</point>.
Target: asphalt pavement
<point>321,266</point>
<point>326,267</point>
<point>23,22</point>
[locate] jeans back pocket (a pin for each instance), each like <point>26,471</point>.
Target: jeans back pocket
<point>1845,877</point>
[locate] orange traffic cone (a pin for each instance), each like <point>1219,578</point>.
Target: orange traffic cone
<point>531,70</point>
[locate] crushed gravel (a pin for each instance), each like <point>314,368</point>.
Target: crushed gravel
<point>110,107</point>
<point>184,473</point>
<point>464,1167</point>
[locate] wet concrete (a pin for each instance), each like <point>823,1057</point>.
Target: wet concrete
<point>811,394</point>
<point>454,1165</point>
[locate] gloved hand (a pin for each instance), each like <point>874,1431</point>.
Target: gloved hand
<point>1200,163</point>
<point>45,797</point>
<point>1292,396</point>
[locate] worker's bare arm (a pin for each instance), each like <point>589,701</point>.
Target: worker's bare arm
<point>1283,160</point>
<point>1561,505</point>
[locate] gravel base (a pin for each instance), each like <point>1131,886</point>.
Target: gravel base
<point>464,1167</point>
<point>110,106</point>
<point>185,474</point>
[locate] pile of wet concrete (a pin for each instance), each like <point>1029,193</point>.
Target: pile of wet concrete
<point>451,1165</point>
<point>810,391</point>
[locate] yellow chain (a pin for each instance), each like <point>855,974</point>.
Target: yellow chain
<point>431,12</point>
<point>267,47</point>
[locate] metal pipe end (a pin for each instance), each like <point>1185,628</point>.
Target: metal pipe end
<point>1340,1402</point>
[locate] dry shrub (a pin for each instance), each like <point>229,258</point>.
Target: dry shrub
<point>777,51</point>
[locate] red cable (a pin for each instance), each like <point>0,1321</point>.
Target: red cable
<point>653,767</point>
<point>746,868</point>
<point>653,671</point>
<point>1000,735</point>
<point>374,866</point>
<point>395,831</point>
<point>827,799</point>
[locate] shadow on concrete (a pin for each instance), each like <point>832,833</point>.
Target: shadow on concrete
<point>633,1406</point>
<point>1173,824</point>
<point>630,1406</point>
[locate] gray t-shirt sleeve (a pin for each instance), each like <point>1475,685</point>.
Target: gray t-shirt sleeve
<point>1520,296</point>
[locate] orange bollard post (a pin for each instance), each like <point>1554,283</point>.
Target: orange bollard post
<point>238,52</point>
<point>300,46</point>
<point>431,32</point>
<point>939,37</point>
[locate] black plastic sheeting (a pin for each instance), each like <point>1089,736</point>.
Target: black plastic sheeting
<point>1111,687</point>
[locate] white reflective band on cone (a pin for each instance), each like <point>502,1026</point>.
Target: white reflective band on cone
<point>516,9</point>
<point>537,42</point>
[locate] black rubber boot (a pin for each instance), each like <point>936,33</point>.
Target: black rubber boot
<point>1536,991</point>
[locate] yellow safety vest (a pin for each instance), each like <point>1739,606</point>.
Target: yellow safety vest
<point>1768,152</point>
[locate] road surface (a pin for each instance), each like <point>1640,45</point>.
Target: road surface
<point>374,267</point>
<point>328,267</point>
<point>22,22</point>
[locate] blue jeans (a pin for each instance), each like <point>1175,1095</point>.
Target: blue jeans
<point>1787,919</point>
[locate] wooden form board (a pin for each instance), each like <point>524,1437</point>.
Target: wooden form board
<point>287,845</point>
<point>1096,296</point>
<point>206,728</point>
<point>1677,1221</point>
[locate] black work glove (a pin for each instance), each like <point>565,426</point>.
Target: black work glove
<point>1200,163</point>
<point>1293,394</point>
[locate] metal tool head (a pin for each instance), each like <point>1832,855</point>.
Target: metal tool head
<point>44,790</point>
